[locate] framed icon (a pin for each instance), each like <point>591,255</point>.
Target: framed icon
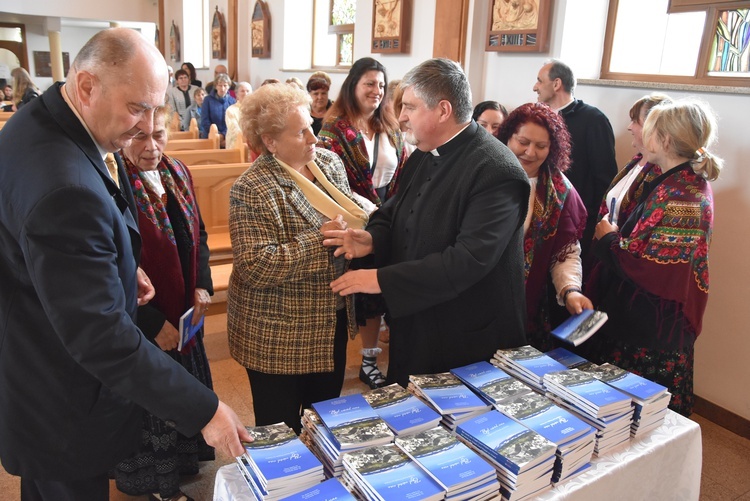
<point>261,30</point>
<point>174,43</point>
<point>391,23</point>
<point>218,36</point>
<point>519,25</point>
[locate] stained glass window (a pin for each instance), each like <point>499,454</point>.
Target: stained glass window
<point>343,11</point>
<point>730,51</point>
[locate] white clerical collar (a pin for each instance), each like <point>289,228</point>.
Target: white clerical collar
<point>558,110</point>
<point>435,151</point>
<point>67,100</point>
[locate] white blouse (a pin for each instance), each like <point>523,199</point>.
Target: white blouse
<point>387,159</point>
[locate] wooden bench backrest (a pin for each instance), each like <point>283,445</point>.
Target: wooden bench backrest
<point>212,142</point>
<point>212,184</point>
<point>5,115</point>
<point>207,157</point>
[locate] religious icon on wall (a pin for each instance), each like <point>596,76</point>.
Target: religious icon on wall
<point>519,25</point>
<point>218,36</point>
<point>391,21</point>
<point>260,26</point>
<point>174,43</point>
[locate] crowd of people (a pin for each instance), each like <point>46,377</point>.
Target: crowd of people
<point>463,228</point>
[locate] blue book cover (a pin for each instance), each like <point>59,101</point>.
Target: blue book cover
<point>402,411</point>
<point>330,490</point>
<point>492,383</point>
<point>530,360</point>
<point>352,422</point>
<point>187,329</point>
<point>511,444</point>
<point>447,460</point>
<point>278,455</point>
<point>392,474</point>
<point>567,358</point>
<point>251,477</point>
<point>585,388</point>
<point>544,417</point>
<point>447,393</point>
<point>640,388</point>
<point>578,328</point>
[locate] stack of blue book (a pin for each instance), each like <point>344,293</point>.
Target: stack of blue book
<point>277,464</point>
<point>386,473</point>
<point>329,490</point>
<point>402,411</point>
<point>446,394</point>
<point>607,409</point>
<point>523,458</point>
<point>527,364</point>
<point>575,439</point>
<point>343,424</point>
<point>651,399</point>
<point>460,471</point>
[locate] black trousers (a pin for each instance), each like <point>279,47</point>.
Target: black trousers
<point>90,489</point>
<point>282,397</point>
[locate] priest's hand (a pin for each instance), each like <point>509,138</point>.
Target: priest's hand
<point>357,281</point>
<point>350,242</point>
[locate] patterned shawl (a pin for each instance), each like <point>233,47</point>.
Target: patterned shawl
<point>557,223</point>
<point>160,258</point>
<point>341,137</point>
<point>666,253</point>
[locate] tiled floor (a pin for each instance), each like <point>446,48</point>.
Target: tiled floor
<point>726,456</point>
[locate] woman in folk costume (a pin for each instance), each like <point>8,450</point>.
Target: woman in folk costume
<point>174,255</point>
<point>555,219</point>
<point>285,325</point>
<point>361,130</point>
<point>651,276</point>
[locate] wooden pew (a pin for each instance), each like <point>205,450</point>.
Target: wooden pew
<point>191,133</point>
<point>212,184</point>
<point>5,115</point>
<point>207,157</point>
<point>212,143</point>
<point>220,275</point>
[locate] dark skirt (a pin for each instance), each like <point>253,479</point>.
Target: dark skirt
<point>164,453</point>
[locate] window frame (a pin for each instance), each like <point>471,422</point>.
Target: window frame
<point>340,30</point>
<point>701,76</point>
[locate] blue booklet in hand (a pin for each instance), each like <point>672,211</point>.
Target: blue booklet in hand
<point>187,329</point>
<point>578,328</point>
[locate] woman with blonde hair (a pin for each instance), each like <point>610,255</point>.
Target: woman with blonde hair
<point>285,325</point>
<point>24,90</point>
<point>652,271</point>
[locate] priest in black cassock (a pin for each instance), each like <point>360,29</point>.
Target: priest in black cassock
<point>449,245</point>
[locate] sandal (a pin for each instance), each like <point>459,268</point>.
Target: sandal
<point>370,374</point>
<point>180,496</point>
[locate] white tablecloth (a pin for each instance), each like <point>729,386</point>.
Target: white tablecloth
<point>664,464</point>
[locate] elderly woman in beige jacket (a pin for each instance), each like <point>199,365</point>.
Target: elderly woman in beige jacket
<point>285,324</point>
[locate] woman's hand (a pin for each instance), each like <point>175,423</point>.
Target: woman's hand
<point>352,243</point>
<point>168,337</point>
<point>604,227</point>
<point>202,300</point>
<point>334,224</point>
<point>576,302</point>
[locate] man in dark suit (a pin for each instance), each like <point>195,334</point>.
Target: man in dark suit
<point>448,246</point>
<point>593,163</point>
<point>74,369</point>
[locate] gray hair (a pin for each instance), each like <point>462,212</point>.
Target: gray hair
<point>107,53</point>
<point>560,70</point>
<point>222,77</point>
<point>245,85</point>
<point>441,79</point>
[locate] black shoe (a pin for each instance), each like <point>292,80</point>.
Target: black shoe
<point>371,376</point>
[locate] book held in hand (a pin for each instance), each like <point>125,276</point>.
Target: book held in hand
<point>578,328</point>
<point>187,329</point>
